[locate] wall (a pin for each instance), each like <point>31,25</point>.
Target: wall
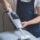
<point>8,24</point>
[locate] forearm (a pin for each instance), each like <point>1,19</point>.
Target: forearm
<point>3,1</point>
<point>34,21</point>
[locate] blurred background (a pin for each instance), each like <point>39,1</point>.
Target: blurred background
<point>7,24</point>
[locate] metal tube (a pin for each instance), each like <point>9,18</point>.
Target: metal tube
<point>22,32</point>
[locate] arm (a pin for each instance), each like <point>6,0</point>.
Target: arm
<point>5,4</point>
<point>35,20</point>
<point>2,1</point>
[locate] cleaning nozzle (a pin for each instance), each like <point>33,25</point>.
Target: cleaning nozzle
<point>24,37</point>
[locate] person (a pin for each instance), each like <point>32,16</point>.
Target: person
<point>30,20</point>
<point>25,10</point>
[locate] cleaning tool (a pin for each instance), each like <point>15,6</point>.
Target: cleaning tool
<point>17,22</point>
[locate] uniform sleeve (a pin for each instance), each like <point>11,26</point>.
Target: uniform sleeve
<point>38,3</point>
